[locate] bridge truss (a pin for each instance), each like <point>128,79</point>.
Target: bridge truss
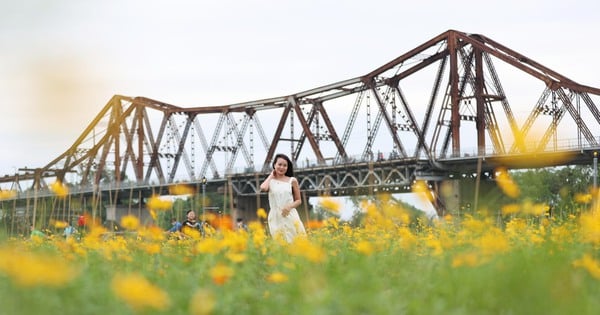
<point>441,101</point>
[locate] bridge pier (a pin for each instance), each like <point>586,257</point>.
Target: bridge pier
<point>458,197</point>
<point>246,206</point>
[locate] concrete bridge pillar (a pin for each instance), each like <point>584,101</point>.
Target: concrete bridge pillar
<point>247,206</point>
<point>467,196</point>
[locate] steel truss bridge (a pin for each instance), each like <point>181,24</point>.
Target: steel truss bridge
<point>458,105</point>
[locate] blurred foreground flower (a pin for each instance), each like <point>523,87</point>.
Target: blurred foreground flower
<point>364,247</point>
<point>302,246</point>
<point>221,274</point>
<point>261,213</point>
<point>29,270</point>
<point>506,184</point>
<point>330,205</point>
<point>420,188</point>
<point>471,259</point>
<point>156,203</point>
<point>181,189</point>
<point>59,189</point>
<point>130,222</point>
<point>203,302</point>
<point>7,194</point>
<point>139,293</point>
<point>588,263</point>
<point>59,224</point>
<point>277,277</point>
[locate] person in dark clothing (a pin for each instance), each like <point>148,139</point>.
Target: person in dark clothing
<point>191,223</point>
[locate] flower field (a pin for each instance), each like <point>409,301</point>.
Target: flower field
<point>525,264</point>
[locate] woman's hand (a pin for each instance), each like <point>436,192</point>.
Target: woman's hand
<point>285,212</point>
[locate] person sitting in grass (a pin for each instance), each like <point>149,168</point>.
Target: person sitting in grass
<point>35,233</point>
<point>175,225</point>
<point>190,225</point>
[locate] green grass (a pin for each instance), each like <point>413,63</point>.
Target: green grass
<point>527,278</point>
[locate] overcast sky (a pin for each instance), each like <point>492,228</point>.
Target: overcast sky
<point>61,61</point>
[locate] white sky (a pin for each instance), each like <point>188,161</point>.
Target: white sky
<point>61,61</point>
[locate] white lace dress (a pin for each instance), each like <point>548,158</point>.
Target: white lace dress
<point>280,194</point>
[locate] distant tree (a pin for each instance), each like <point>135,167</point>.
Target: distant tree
<point>556,187</point>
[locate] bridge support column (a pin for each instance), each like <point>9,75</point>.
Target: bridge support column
<point>446,196</point>
<point>247,206</point>
<point>460,197</point>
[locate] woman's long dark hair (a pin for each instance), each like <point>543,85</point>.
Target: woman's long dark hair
<point>290,169</point>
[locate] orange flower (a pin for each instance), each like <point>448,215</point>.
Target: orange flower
<point>221,274</point>
<point>314,224</point>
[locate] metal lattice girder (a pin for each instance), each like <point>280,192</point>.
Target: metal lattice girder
<point>140,140</point>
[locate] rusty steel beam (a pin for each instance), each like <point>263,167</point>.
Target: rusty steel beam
<point>305,127</point>
<point>479,101</point>
<point>341,151</point>
<point>454,95</point>
<point>277,135</point>
<point>134,146</point>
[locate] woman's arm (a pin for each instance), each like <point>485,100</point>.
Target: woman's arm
<point>265,185</point>
<point>296,195</point>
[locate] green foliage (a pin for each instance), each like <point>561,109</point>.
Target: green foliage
<point>555,187</point>
<point>527,279</point>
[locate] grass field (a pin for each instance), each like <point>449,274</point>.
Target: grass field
<point>526,265</point>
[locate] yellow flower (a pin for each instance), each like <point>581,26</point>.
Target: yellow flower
<point>422,190</point>
<point>590,228</point>
<point>59,224</point>
<point>130,222</point>
<point>59,189</point>
<point>583,198</point>
<point>261,213</point>
<point>493,241</point>
<point>181,189</point>
<point>152,248</point>
<point>236,257</point>
<point>277,277</point>
<point>270,261</point>
<point>330,205</point>
<point>364,247</point>
<point>29,270</point>
<point>153,232</point>
<point>7,194</point>
<point>467,259</point>
<point>208,246</point>
<point>510,209</point>
<point>301,246</point>
<point>156,203</point>
<point>192,232</point>
<point>590,264</point>
<point>203,302</point>
<point>506,184</point>
<point>139,293</point>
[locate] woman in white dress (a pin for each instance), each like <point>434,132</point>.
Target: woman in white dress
<point>284,198</point>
